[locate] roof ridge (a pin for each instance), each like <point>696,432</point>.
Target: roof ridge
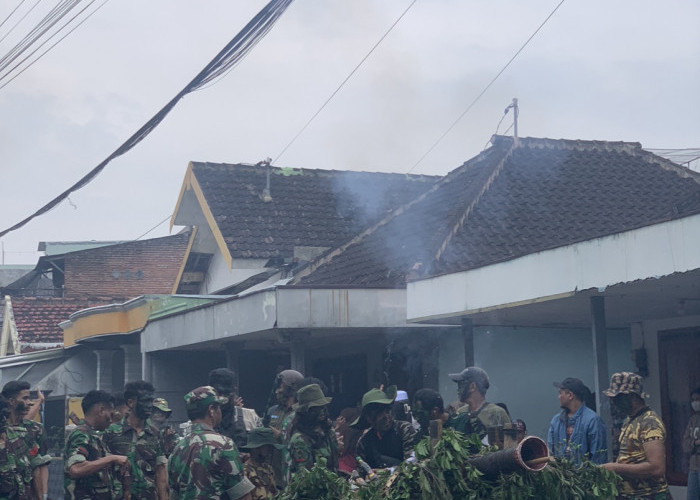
<point>496,170</point>
<point>313,170</point>
<point>331,254</point>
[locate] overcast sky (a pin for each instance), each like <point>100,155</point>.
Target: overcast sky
<point>606,70</point>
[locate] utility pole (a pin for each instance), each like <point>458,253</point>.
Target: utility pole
<point>515,117</point>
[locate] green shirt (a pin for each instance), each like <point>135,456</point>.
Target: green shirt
<point>145,451</point>
<point>489,415</point>
<point>15,465</point>
<point>85,444</point>
<point>305,450</point>
<point>204,465</point>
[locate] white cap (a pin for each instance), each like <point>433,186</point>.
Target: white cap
<point>401,396</point>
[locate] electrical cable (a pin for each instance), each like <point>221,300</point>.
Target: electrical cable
<point>51,47</point>
<point>20,20</point>
<point>493,80</point>
<point>154,227</point>
<point>229,56</point>
<point>11,13</point>
<point>279,155</point>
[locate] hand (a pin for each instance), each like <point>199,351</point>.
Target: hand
<point>39,396</point>
<point>339,422</point>
<point>244,457</point>
<point>238,401</point>
<point>341,443</point>
<point>609,466</point>
<point>119,459</point>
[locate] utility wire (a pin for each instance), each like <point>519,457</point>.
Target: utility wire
<point>50,47</point>
<point>289,144</point>
<point>230,55</point>
<point>493,80</point>
<point>11,13</point>
<point>20,20</point>
<point>154,227</point>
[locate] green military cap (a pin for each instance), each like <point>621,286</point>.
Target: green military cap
<point>308,396</point>
<point>162,405</point>
<point>261,436</point>
<point>375,396</point>
<point>202,397</point>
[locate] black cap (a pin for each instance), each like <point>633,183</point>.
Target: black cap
<point>472,374</point>
<point>574,385</point>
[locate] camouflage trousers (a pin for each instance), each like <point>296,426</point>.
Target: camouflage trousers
<point>654,496</point>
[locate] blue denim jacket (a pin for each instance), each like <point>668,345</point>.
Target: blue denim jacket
<point>587,439</point>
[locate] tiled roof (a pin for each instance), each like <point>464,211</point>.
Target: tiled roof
<point>37,318</point>
<point>312,208</point>
<point>513,200</point>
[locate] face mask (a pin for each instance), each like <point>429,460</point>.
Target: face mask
<point>695,405</point>
<point>623,403</point>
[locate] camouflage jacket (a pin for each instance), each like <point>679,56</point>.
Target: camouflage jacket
<point>169,438</point>
<point>489,415</point>
<point>204,465</point>
<point>145,452</point>
<point>35,435</point>
<point>304,449</point>
<point>390,448</point>
<point>263,480</point>
<point>15,466</point>
<point>85,444</point>
<point>643,427</point>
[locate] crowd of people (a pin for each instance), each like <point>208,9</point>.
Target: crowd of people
<point>124,448</point>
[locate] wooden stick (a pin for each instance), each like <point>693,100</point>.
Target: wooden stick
<point>538,461</point>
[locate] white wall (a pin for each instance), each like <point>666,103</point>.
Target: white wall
<point>220,276</point>
<point>652,251</point>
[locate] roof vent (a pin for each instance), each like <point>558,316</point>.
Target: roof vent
<point>266,196</point>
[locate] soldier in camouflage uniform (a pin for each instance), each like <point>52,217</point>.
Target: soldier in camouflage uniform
<point>387,442</point>
<point>15,467</point>
<point>134,437</point>
<point>312,434</point>
<point>477,416</point>
<point>159,419</point>
<point>642,458</point>
<point>206,464</point>
<point>32,433</point>
<point>89,468</point>
<point>258,469</point>
<point>279,416</point>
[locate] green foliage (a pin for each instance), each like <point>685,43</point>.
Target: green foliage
<point>446,474</point>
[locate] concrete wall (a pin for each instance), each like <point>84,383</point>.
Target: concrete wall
<point>175,373</point>
<point>651,251</point>
<point>220,276</point>
<point>522,364</point>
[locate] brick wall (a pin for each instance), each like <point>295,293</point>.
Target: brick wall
<point>126,270</point>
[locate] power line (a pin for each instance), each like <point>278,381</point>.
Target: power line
<point>229,56</point>
<point>313,117</point>
<point>476,99</point>
<point>52,46</point>
<point>153,228</point>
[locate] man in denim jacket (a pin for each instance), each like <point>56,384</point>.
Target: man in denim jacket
<point>577,432</point>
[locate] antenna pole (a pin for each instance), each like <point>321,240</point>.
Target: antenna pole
<point>515,117</point>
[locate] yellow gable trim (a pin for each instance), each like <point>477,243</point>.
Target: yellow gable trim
<point>106,323</point>
<point>184,261</point>
<point>190,183</point>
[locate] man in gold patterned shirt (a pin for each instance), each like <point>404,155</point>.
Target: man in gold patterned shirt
<point>642,458</point>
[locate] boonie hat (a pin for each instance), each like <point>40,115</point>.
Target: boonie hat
<point>202,397</point>
<point>162,405</point>
<point>310,396</point>
<point>261,436</point>
<point>374,396</point>
<point>574,385</point>
<point>625,383</point>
